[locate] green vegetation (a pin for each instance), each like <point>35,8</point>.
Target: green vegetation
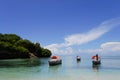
<point>12,46</point>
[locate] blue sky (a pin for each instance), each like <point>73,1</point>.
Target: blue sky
<point>64,26</point>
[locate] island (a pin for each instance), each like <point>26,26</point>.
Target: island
<point>13,46</point>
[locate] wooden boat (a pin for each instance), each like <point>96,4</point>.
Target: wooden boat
<point>55,60</point>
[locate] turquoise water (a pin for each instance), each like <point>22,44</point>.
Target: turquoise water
<point>70,69</point>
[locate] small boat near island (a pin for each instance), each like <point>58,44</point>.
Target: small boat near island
<point>55,60</point>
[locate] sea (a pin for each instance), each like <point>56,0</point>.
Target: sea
<point>70,69</point>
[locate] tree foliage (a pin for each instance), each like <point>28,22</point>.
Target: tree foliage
<point>45,52</point>
<point>13,46</point>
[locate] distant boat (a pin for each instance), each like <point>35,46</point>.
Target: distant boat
<point>96,60</point>
<point>55,60</point>
<point>78,58</point>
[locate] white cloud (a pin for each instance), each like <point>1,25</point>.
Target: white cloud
<point>78,39</point>
<point>110,47</point>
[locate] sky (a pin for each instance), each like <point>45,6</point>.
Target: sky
<point>65,26</point>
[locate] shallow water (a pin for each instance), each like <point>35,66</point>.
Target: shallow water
<point>70,69</point>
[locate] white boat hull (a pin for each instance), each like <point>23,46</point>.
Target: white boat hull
<point>55,61</point>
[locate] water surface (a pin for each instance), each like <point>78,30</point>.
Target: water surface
<point>70,69</point>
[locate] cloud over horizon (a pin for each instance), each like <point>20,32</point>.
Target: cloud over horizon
<point>111,46</point>
<point>105,48</point>
<point>83,38</point>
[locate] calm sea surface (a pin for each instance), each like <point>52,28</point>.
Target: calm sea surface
<point>70,69</point>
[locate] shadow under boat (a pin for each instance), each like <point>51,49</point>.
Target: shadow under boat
<point>96,65</point>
